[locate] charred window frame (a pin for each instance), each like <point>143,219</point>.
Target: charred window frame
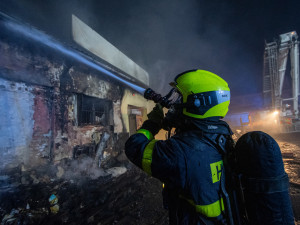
<point>93,111</point>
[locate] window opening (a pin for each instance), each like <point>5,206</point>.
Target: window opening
<point>93,111</point>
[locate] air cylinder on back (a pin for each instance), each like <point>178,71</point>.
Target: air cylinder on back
<point>265,183</point>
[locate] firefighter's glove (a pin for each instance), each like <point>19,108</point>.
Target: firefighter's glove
<point>157,115</point>
<point>172,119</point>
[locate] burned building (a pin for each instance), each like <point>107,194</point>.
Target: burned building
<point>60,102</point>
<point>66,112</point>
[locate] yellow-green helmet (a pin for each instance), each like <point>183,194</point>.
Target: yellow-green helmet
<point>204,94</point>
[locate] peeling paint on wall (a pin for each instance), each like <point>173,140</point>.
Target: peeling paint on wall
<point>16,124</point>
<point>17,63</point>
<point>92,85</point>
<point>54,74</point>
<point>118,123</point>
<point>41,138</point>
<point>89,85</point>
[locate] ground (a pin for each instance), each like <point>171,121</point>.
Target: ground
<point>130,198</point>
<point>290,148</point>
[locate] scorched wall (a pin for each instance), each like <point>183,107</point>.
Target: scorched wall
<point>53,108</point>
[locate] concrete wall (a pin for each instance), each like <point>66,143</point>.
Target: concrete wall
<point>16,124</point>
<point>38,106</point>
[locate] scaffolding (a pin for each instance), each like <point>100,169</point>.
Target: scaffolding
<point>275,64</point>
<point>276,55</point>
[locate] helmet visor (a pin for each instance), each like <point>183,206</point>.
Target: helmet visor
<point>174,97</point>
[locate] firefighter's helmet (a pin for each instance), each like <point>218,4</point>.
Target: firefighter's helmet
<point>204,94</point>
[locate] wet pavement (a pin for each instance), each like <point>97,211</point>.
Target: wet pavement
<point>290,148</point>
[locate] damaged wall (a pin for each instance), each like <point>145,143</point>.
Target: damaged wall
<point>73,81</point>
<point>16,124</point>
<point>39,99</point>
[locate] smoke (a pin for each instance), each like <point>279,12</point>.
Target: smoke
<point>85,168</point>
<point>164,37</point>
<point>178,35</point>
<point>81,168</point>
<point>171,36</point>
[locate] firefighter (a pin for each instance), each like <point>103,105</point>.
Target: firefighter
<point>189,163</point>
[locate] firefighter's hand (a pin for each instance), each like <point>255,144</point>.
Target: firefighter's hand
<point>172,119</point>
<point>157,114</point>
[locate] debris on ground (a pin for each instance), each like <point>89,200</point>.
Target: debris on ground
<point>114,196</point>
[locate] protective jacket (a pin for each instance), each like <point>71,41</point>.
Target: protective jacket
<point>190,165</point>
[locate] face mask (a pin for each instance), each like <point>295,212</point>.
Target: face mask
<point>173,97</point>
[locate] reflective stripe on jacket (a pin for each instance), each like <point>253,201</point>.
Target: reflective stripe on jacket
<point>190,165</point>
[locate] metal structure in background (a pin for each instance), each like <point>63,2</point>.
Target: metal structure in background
<point>275,66</point>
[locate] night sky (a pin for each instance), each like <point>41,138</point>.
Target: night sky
<point>166,37</point>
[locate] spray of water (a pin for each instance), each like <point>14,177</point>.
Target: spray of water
<point>44,39</point>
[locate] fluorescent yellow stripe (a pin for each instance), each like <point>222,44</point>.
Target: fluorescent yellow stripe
<point>147,133</point>
<point>147,157</point>
<point>216,170</point>
<point>212,210</point>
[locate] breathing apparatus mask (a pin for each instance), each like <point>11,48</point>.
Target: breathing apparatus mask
<point>173,102</point>
<point>172,98</point>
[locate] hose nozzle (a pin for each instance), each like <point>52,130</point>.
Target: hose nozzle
<point>157,98</point>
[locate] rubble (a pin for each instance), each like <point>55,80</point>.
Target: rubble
<point>78,192</point>
<point>118,196</point>
<point>60,172</point>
